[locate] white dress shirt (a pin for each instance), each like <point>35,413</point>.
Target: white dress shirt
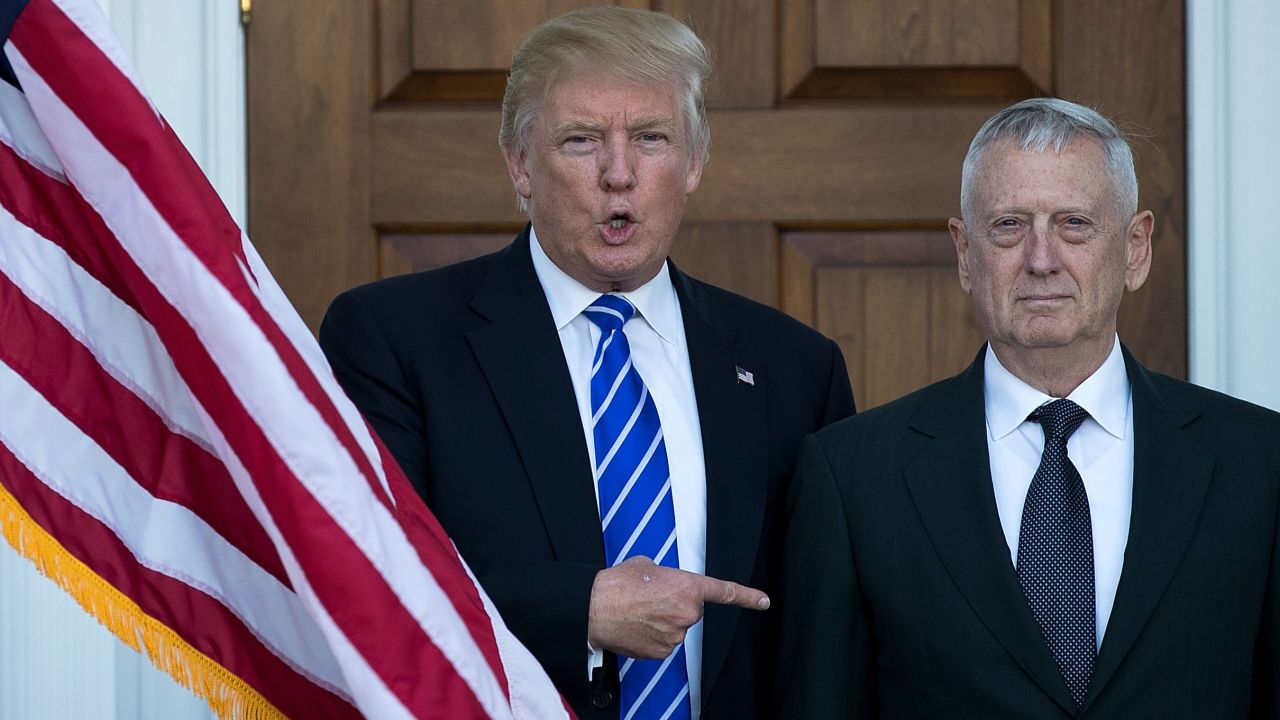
<point>1101,449</point>
<point>660,355</point>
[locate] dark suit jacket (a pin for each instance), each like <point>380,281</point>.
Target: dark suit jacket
<point>900,600</point>
<point>461,372</point>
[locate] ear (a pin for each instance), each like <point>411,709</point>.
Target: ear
<point>961,240</point>
<point>694,176</point>
<point>1138,250</point>
<point>516,160</point>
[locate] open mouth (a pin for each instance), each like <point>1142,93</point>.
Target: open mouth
<point>618,228</point>
<point>620,220</point>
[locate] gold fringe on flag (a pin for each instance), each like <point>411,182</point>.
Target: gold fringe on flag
<point>230,697</point>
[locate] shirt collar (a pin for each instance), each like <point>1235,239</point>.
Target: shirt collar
<point>655,300</point>
<point>1104,395</point>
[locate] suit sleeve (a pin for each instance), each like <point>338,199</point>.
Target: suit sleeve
<point>367,369</point>
<point>839,403</point>
<point>544,603</point>
<point>825,654</point>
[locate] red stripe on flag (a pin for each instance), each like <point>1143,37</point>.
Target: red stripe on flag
<point>351,589</point>
<point>437,550</point>
<point>56,212</point>
<point>167,465</point>
<point>203,622</point>
<point>87,81</point>
<point>84,96</point>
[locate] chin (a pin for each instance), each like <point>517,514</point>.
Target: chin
<point>1041,340</point>
<point>629,275</point>
<point>1036,338</point>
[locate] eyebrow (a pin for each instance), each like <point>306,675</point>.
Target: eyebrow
<point>1071,210</point>
<point>646,122</point>
<point>575,126</point>
<point>651,121</point>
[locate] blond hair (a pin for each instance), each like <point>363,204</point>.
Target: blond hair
<point>639,45</point>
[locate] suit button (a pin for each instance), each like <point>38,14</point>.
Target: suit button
<point>601,698</point>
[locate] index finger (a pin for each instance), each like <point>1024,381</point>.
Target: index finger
<point>723,592</point>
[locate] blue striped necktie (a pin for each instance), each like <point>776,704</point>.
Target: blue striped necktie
<point>636,508</point>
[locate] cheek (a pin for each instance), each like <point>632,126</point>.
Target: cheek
<point>995,274</point>
<point>568,172</point>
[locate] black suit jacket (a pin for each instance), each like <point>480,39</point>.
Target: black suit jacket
<point>900,600</point>
<point>461,372</point>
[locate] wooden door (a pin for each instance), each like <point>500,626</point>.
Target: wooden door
<point>838,129</point>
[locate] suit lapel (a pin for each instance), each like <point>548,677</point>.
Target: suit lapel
<point>950,484</point>
<point>733,419</point>
<point>520,354</point>
<point>1170,478</point>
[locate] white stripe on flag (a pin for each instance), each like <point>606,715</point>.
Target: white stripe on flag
<point>277,304</point>
<point>93,23</point>
<point>371,694</point>
<point>302,438</point>
<point>331,476</point>
<point>533,696</point>
<point>125,344</point>
<point>18,130</point>
<point>162,535</point>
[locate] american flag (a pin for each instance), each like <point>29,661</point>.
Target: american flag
<point>174,450</point>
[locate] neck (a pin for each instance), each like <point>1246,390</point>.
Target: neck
<point>1054,371</point>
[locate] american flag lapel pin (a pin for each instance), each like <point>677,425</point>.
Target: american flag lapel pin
<point>745,376</point>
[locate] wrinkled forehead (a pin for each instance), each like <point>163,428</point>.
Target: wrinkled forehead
<point>1005,150</point>
<point>1076,170</point>
<point>590,95</point>
<point>583,75</point>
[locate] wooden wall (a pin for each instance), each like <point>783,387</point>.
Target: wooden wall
<point>838,128</point>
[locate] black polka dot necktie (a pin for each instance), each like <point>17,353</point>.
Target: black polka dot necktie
<point>1055,550</point>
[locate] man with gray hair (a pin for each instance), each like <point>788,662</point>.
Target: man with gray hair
<point>1057,532</point>
<point>605,438</point>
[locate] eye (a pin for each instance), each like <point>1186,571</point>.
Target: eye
<point>651,137</point>
<point>577,144</point>
<point>1076,226</point>
<point>1006,231</point>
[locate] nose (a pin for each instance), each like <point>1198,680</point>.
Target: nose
<point>1042,249</point>
<point>617,165</point>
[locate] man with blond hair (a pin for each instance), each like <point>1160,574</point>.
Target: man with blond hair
<point>605,438</point>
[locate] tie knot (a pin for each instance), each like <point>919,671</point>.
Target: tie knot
<point>1059,418</point>
<point>610,312</point>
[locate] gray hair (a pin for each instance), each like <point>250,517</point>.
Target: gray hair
<point>1040,123</point>
<point>639,45</point>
